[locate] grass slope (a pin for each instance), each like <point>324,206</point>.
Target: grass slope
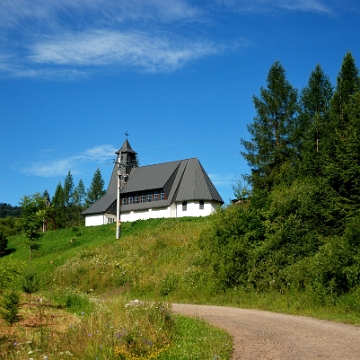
<point>93,275</point>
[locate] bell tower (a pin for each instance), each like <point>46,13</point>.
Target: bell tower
<point>127,158</point>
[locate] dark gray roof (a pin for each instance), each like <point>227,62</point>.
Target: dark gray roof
<point>151,177</point>
<point>103,205</point>
<point>126,147</point>
<point>185,180</point>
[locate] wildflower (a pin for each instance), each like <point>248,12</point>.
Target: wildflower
<point>15,343</point>
<point>89,335</point>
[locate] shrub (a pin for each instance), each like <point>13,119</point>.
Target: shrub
<point>10,306</point>
<point>31,283</point>
<point>3,243</point>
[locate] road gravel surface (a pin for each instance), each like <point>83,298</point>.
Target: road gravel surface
<point>265,335</point>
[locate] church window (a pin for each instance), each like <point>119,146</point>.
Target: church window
<point>184,206</point>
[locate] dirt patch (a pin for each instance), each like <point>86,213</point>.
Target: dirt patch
<point>35,314</point>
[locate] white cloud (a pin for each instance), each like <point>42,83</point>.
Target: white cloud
<point>265,6</point>
<point>101,48</point>
<point>59,38</point>
<point>56,12</point>
<point>59,167</point>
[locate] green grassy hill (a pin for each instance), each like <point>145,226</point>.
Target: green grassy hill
<point>87,272</point>
<point>154,259</point>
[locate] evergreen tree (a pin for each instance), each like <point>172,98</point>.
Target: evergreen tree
<point>314,119</point>
<point>58,203</point>
<point>347,154</point>
<point>96,190</point>
<point>79,194</point>
<point>342,144</point>
<point>273,130</point>
<point>58,199</point>
<point>347,84</point>
<point>68,189</point>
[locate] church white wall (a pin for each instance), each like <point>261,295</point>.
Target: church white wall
<point>94,220</point>
<point>99,219</point>
<point>173,211</point>
<point>193,209</point>
<point>146,214</point>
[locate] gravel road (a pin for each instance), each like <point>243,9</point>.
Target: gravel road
<point>264,335</point>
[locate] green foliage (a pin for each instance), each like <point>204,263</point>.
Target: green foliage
<point>79,194</point>
<point>314,123</point>
<point>273,130</point>
<point>96,190</point>
<point>32,226</point>
<point>9,307</point>
<point>305,194</point>
<point>228,243</point>
<point>68,189</point>
<point>9,271</point>
<point>10,226</point>
<point>241,188</point>
<point>31,282</point>
<point>6,210</point>
<point>3,243</point>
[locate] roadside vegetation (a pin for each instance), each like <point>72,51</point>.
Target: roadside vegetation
<point>76,291</point>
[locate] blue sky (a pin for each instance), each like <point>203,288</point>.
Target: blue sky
<point>177,75</point>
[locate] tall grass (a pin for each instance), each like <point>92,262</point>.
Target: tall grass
<point>93,276</point>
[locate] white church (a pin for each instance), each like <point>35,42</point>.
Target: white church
<point>172,189</point>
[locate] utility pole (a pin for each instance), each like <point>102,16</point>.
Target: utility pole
<point>121,181</point>
<point>118,224</point>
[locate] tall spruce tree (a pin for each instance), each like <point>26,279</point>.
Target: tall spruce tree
<point>96,190</point>
<point>58,203</point>
<point>347,84</point>
<point>341,128</point>
<point>272,131</point>
<point>79,194</point>
<point>347,154</point>
<point>68,189</point>
<point>314,119</point>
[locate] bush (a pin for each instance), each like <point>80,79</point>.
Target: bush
<point>10,306</point>
<point>3,243</point>
<point>31,283</point>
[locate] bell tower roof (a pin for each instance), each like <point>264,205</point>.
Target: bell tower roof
<point>126,148</point>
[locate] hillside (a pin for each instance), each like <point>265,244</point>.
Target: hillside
<point>83,277</point>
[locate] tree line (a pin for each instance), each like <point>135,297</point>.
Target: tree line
<point>298,224</point>
<point>61,210</point>
<point>8,210</point>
